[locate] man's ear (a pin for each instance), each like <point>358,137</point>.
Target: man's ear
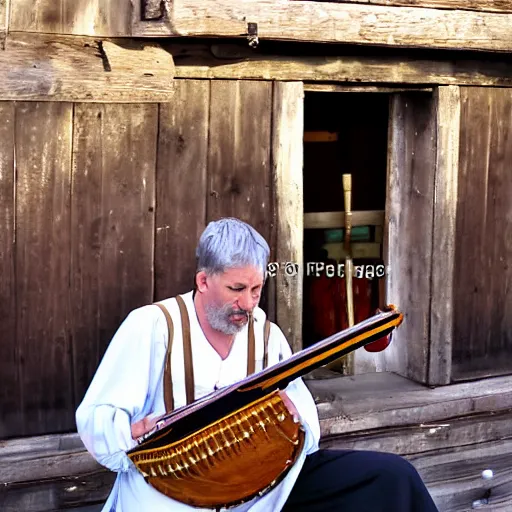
<point>201,281</point>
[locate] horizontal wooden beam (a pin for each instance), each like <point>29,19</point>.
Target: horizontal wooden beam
<point>66,68</point>
<point>308,87</point>
<point>237,61</point>
<point>380,25</point>
<point>465,5</point>
<point>335,220</point>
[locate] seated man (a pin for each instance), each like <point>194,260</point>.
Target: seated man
<point>129,390</point>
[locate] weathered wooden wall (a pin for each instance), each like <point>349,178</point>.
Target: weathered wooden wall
<point>482,325</point>
<point>416,25</point>
<point>101,208</point>
<point>81,17</point>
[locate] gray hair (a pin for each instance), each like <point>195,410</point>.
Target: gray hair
<point>229,243</point>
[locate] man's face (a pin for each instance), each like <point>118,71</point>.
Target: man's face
<point>230,297</point>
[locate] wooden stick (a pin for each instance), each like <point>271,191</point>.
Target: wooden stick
<point>345,364</point>
<point>349,266</point>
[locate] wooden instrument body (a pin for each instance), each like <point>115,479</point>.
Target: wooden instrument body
<point>224,465</point>
<point>209,468</point>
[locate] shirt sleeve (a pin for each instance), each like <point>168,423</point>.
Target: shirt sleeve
<point>121,390</point>
<point>299,394</point>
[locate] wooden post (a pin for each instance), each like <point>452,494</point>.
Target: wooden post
<point>287,151</point>
<point>443,247</point>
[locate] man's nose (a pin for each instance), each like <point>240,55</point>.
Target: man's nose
<point>247,301</point>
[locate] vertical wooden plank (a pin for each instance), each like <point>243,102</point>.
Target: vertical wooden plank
<point>239,173</point>
<point>443,244</point>
<point>482,325</point>
<point>239,154</point>
<point>408,247</point>
<point>79,17</point>
<point>11,400</point>
<point>287,165</point>
<point>4,22</point>
<point>43,163</point>
<point>181,186</point>
<point>113,202</point>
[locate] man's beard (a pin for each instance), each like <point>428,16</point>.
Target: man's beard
<point>218,318</point>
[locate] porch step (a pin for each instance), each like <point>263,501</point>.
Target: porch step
<point>450,435</point>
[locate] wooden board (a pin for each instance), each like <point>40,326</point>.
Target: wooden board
<point>80,17</point>
<point>50,68</point>
<point>239,166</point>
<point>450,458</point>
<point>43,234</point>
<point>287,164</point>
<point>4,21</point>
<point>58,494</point>
<point>329,63</point>
<point>312,87</point>
<point>181,186</point>
<point>11,396</point>
<point>374,401</point>
<point>408,245</point>
<point>329,220</point>
<point>443,249</point>
<point>465,5</point>
<point>482,315</point>
<point>335,23</point>
<point>113,209</point>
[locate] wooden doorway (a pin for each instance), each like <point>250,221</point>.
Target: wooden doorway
<point>344,133</point>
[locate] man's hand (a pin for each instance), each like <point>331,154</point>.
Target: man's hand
<point>143,426</point>
<point>290,406</point>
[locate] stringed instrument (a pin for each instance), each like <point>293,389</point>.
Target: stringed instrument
<point>239,442</point>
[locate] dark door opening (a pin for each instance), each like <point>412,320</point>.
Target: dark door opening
<point>344,133</point>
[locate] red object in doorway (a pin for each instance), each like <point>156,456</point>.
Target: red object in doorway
<point>328,307</point>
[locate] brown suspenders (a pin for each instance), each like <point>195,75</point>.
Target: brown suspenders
<point>187,353</point>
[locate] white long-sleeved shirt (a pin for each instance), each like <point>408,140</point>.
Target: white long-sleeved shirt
<point>128,386</point>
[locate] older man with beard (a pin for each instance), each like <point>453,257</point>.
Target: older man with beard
<point>213,328</point>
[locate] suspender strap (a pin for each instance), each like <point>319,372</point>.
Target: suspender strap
<point>168,394</point>
<point>265,341</point>
<point>187,350</point>
<point>251,348</point>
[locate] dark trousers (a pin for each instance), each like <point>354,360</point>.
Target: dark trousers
<point>358,481</point>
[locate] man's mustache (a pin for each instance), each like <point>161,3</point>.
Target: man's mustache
<point>239,312</point>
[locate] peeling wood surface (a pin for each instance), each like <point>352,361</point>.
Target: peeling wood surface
<point>408,247</point>
<point>49,68</point>
<point>287,149</point>
<point>502,6</point>
<point>336,23</point>
<point>108,18</point>
<point>224,61</point>
<point>443,244</point>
